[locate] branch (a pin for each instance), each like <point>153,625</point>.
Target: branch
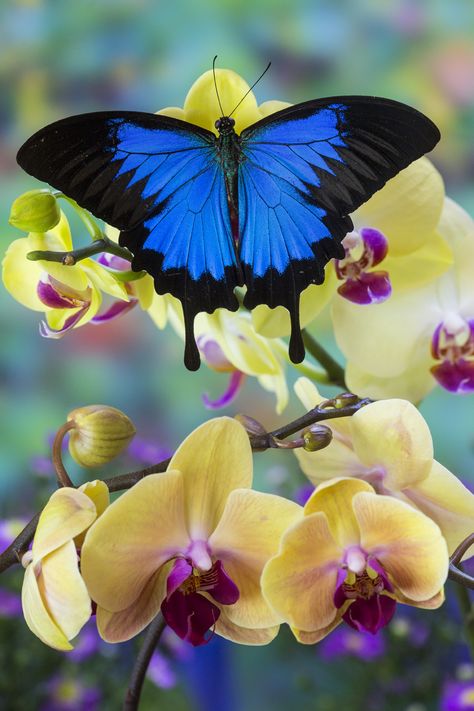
<point>103,244</point>
<point>151,639</point>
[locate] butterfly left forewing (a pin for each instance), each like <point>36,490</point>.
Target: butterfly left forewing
<point>158,180</point>
<point>304,170</point>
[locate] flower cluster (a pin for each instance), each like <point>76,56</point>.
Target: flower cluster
<point>199,544</point>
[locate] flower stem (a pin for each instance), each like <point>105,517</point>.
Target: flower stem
<point>90,224</point>
<point>102,244</point>
<point>333,369</point>
<point>61,473</point>
<point>467,611</point>
<point>151,639</point>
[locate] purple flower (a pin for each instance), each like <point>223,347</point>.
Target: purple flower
<point>160,671</point>
<point>147,451</point>
<point>458,696</point>
<point>67,694</point>
<point>345,641</point>
<point>453,345</point>
<point>10,604</point>
<point>364,250</point>
<point>87,643</point>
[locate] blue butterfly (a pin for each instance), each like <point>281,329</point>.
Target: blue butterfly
<point>204,214</point>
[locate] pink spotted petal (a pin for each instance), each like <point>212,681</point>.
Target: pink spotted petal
<point>457,377</point>
<point>235,383</point>
<point>376,243</point>
<point>48,332</point>
<point>225,590</point>
<point>190,616</point>
<point>179,573</point>
<point>370,615</point>
<point>116,309</point>
<point>368,288</point>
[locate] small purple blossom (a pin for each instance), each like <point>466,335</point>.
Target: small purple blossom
<point>345,641</point>
<point>87,643</point>
<point>148,452</point>
<point>10,604</point>
<point>67,694</point>
<point>453,345</point>
<point>160,671</point>
<point>458,696</point>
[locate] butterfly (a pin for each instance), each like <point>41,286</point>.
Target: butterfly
<point>204,214</point>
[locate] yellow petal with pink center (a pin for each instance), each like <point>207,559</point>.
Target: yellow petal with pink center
<point>407,209</point>
<point>125,624</point>
<point>446,500</point>
<point>334,499</point>
<point>408,544</point>
<point>135,535</point>
<point>299,582</point>
<point>214,460</point>
<point>247,535</point>
<point>244,635</point>
<point>201,105</point>
<point>392,437</point>
<point>67,514</point>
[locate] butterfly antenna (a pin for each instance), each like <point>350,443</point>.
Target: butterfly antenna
<point>253,85</point>
<point>215,84</point>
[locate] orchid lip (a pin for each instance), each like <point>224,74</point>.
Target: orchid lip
<point>362,286</point>
<point>453,344</point>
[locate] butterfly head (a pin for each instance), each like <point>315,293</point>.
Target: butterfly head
<point>225,125</point>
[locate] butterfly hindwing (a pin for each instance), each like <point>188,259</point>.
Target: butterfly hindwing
<point>158,180</point>
<point>304,169</point>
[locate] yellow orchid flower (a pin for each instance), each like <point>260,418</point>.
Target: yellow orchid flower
<point>422,337</point>
<point>352,557</point>
<point>69,296</point>
<point>388,444</point>
<point>56,604</point>
<point>192,541</point>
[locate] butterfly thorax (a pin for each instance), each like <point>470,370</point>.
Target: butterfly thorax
<point>230,156</point>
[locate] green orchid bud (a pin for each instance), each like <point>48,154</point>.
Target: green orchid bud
<point>316,437</point>
<point>35,211</point>
<point>100,433</point>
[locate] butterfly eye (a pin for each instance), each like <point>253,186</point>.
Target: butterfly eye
<point>231,121</point>
<point>218,123</point>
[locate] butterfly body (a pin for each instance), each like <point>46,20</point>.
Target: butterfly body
<point>204,214</point>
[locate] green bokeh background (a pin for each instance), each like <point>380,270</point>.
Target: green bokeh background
<point>61,58</point>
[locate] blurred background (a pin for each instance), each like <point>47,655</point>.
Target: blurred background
<point>62,58</point>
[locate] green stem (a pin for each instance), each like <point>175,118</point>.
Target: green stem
<point>90,224</point>
<point>467,611</point>
<point>104,244</point>
<point>333,369</point>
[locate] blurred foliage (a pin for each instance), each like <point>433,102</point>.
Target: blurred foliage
<point>60,58</point>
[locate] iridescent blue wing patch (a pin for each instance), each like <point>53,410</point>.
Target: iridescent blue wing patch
<point>159,181</point>
<point>304,169</point>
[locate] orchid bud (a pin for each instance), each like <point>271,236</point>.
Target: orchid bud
<point>345,400</point>
<point>35,211</point>
<point>100,433</point>
<point>316,437</point>
<point>253,427</point>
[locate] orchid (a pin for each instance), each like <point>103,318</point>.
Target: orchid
<point>192,542</point>
<point>69,296</point>
<point>56,604</point>
<point>389,445</point>
<point>425,336</point>
<point>352,557</point>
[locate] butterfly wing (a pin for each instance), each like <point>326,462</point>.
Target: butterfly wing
<point>158,180</point>
<point>304,170</point>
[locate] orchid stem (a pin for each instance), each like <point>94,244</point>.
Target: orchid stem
<point>151,639</point>
<point>61,473</point>
<point>467,611</point>
<point>335,372</point>
<point>90,224</point>
<point>102,244</point>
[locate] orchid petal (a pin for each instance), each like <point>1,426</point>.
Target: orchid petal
<point>104,280</point>
<point>244,635</point>
<point>127,623</point>
<point>247,535</point>
<point>334,499</point>
<point>419,188</point>
<point>272,106</point>
<point>201,105</point>
<point>214,459</point>
<point>412,384</point>
<point>134,537</point>
<point>21,276</point>
<point>37,616</point>
<point>68,513</point>
<point>300,581</point>
<point>172,111</point>
<point>63,590</point>
<point>391,435</point>
<point>408,544</point>
<point>442,497</point>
